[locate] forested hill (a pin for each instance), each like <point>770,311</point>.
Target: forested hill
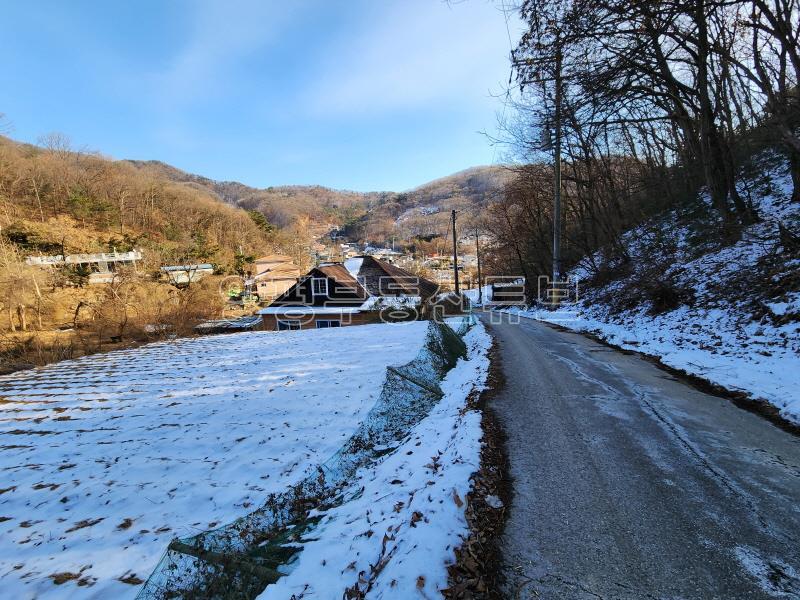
<point>424,211</point>
<point>55,199</point>
<point>282,205</point>
<point>368,215</point>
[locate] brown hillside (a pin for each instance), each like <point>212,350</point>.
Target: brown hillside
<point>371,216</point>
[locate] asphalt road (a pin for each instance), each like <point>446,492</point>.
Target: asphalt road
<point>628,483</point>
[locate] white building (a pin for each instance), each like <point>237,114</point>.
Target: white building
<point>102,266</point>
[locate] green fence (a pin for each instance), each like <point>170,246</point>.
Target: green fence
<point>240,559</point>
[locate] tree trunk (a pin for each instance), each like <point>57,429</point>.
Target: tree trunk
<point>23,322</point>
<point>789,241</point>
<point>746,212</point>
<point>38,198</point>
<point>76,315</point>
<point>710,139</point>
<point>11,325</point>
<point>794,169</point>
<point>714,169</point>
<point>38,302</point>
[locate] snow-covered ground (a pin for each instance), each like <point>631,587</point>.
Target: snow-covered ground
<point>397,536</point>
<point>485,295</point>
<point>741,329</point>
<point>105,459</point>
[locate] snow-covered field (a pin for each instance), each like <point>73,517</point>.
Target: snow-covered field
<point>105,459</point>
<point>734,333</point>
<point>397,536</point>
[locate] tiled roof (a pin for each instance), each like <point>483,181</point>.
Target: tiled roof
<point>384,279</point>
<point>339,274</point>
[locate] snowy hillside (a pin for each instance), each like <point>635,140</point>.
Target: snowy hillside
<point>727,313</point>
<point>107,458</point>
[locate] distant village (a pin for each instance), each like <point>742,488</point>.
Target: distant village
<point>348,284</point>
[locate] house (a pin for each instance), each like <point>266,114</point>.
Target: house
<point>382,279</point>
<point>272,275</point>
<point>327,296</point>
<point>348,250</point>
<point>355,292</point>
<point>184,275</point>
<point>384,254</point>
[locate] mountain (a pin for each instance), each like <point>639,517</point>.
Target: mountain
<point>374,216</point>
<point>282,205</point>
<point>424,212</point>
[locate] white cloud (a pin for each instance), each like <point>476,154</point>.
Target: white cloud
<point>414,53</point>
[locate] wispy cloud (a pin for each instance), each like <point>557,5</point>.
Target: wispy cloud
<point>222,35</point>
<point>413,54</point>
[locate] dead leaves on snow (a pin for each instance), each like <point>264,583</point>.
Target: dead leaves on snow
<point>476,571</point>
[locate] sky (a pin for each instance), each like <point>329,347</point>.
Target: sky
<point>351,94</point>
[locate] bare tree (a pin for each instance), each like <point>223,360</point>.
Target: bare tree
<point>5,125</point>
<point>56,143</point>
<point>675,74</point>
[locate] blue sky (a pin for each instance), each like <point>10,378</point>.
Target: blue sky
<point>356,94</point>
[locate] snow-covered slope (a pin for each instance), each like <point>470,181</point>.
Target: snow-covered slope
<point>106,459</point>
<point>727,313</point>
<point>395,538</point>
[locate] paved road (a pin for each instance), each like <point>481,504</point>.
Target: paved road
<point>630,484</point>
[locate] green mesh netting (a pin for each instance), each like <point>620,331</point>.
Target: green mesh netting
<point>240,559</point>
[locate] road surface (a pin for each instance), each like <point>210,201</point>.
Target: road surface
<point>628,483</point>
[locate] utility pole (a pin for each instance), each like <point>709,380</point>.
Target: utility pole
<point>478,256</point>
<point>557,172</point>
<point>455,253</point>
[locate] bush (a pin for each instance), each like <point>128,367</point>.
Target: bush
<point>666,295</point>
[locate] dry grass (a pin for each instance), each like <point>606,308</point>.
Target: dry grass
<point>60,578</point>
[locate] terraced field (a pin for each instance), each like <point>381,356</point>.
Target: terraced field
<point>105,459</point>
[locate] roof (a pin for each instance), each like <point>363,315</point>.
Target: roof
<point>78,259</point>
<point>282,268</point>
<point>372,303</point>
<point>353,265</point>
<point>345,289</point>
<point>353,282</point>
<point>340,275</point>
<point>310,310</point>
<point>204,266</point>
<point>383,279</point>
<point>276,266</point>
